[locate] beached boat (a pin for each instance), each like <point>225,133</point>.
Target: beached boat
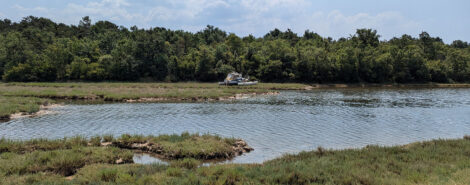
<point>235,78</point>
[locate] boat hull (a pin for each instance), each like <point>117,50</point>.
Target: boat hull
<point>238,83</point>
<point>248,83</point>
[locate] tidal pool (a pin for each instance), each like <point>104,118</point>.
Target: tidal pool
<point>290,122</point>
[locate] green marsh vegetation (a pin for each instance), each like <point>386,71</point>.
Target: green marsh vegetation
<point>42,159</point>
<point>186,145</point>
<point>12,105</point>
<point>430,162</point>
<point>203,147</point>
<point>123,91</point>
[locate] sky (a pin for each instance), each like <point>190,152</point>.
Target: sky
<point>448,19</point>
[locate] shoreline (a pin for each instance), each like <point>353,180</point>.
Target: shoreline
<point>43,110</point>
<point>392,85</point>
<point>223,98</point>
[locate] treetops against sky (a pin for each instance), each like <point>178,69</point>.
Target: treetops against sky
<point>38,49</point>
<point>329,18</point>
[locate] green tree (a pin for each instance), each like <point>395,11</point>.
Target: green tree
<point>21,72</point>
<point>205,65</point>
<point>77,70</point>
<point>271,71</point>
<point>235,44</point>
<point>367,37</point>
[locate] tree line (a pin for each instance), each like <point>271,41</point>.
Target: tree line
<point>38,49</point>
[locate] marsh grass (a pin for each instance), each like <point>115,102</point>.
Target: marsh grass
<point>63,162</point>
<point>124,91</point>
<point>186,145</point>
<point>22,147</point>
<point>430,162</point>
<point>188,163</point>
<point>22,161</point>
<point>108,138</point>
<point>173,146</point>
<point>12,105</point>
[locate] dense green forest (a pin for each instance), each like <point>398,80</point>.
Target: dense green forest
<point>37,49</point>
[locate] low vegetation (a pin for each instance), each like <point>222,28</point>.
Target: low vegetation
<point>186,145</point>
<point>12,105</point>
<point>430,162</point>
<point>128,91</point>
<point>54,157</point>
<point>174,146</point>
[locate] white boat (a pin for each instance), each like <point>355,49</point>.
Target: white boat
<point>235,78</point>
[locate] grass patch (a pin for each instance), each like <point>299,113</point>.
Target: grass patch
<point>168,146</point>
<point>431,162</point>
<point>62,162</point>
<point>12,105</point>
<point>21,147</point>
<point>125,91</point>
<point>202,147</point>
<point>188,163</point>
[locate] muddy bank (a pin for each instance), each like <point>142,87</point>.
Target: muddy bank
<point>239,147</point>
<point>43,110</point>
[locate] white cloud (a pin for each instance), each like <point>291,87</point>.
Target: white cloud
<point>260,6</point>
<point>185,9</point>
<point>22,11</point>
<point>336,24</point>
<point>112,9</point>
<point>242,17</point>
<point>37,9</point>
<point>122,10</point>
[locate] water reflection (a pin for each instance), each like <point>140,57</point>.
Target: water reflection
<point>287,123</point>
<point>144,158</point>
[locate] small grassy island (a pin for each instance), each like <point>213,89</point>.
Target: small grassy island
<point>107,160</point>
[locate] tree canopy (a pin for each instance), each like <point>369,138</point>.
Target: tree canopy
<point>38,49</point>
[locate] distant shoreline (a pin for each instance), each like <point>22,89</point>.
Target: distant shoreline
<point>391,85</point>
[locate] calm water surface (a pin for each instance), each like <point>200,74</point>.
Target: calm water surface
<point>274,125</point>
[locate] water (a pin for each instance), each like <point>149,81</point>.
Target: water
<point>290,122</point>
<point>144,158</point>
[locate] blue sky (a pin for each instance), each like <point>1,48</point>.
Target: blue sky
<point>335,18</point>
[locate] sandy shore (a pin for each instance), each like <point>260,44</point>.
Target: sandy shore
<point>43,110</point>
